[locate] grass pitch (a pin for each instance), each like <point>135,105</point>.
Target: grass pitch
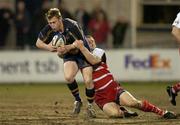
<point>52,104</point>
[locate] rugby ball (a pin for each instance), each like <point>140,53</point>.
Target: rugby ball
<point>58,40</point>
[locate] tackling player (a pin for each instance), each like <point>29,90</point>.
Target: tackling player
<point>109,94</point>
<point>173,90</point>
<point>73,59</point>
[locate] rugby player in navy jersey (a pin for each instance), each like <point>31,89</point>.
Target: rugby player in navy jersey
<point>109,94</point>
<point>73,59</point>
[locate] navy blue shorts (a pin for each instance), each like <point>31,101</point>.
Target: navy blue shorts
<point>79,59</point>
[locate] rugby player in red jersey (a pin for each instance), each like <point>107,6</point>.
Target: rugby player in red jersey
<point>109,94</point>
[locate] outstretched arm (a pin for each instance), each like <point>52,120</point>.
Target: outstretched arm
<point>176,33</point>
<point>64,49</point>
<point>93,59</point>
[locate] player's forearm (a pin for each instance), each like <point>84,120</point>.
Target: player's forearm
<point>41,45</point>
<point>69,47</point>
<point>176,33</point>
<point>177,38</point>
<point>89,56</point>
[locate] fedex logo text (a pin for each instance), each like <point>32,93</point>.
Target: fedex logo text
<point>153,61</point>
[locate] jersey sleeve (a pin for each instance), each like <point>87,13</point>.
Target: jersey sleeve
<point>98,52</point>
<point>46,34</point>
<point>176,22</point>
<point>73,32</point>
<point>74,29</point>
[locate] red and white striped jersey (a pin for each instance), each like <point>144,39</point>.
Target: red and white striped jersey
<point>101,74</point>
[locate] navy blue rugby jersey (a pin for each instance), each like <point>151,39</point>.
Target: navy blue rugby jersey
<point>71,32</point>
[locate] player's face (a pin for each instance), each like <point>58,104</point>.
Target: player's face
<point>91,42</point>
<point>56,24</point>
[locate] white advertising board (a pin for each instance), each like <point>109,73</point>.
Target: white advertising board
<point>126,65</point>
<point>30,66</point>
<point>145,65</point>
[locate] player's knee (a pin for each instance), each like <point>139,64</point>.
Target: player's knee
<point>134,103</point>
<point>69,79</point>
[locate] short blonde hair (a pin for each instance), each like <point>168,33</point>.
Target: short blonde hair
<point>53,12</point>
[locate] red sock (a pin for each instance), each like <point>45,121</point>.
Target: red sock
<point>176,87</point>
<point>148,107</point>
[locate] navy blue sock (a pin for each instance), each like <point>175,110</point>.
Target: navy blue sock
<point>90,95</point>
<point>74,90</point>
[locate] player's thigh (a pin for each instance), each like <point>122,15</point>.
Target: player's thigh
<point>112,109</point>
<point>126,99</point>
<point>70,69</point>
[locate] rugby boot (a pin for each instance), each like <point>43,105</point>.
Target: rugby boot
<point>77,107</point>
<point>169,115</point>
<point>172,96</point>
<point>90,111</point>
<point>128,113</point>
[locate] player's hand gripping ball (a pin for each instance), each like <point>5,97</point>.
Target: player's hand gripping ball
<point>58,40</point>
